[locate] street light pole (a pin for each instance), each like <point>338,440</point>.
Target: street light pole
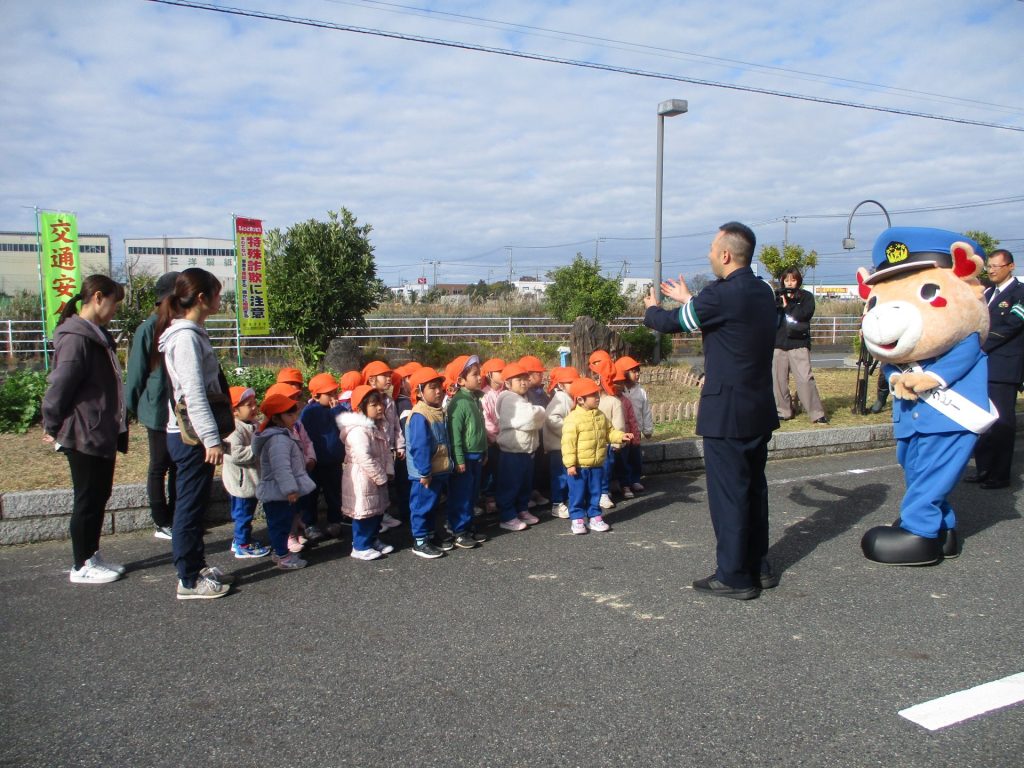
<point>669,108</point>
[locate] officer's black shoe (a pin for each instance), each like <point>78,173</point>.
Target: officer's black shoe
<point>991,485</point>
<point>895,546</point>
<point>712,586</point>
<point>768,578</point>
<point>976,477</point>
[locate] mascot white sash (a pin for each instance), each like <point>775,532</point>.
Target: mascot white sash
<point>955,406</point>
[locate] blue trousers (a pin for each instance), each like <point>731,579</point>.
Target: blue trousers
<point>242,512</point>
<point>609,470</point>
<point>932,465</point>
<point>585,492</point>
<point>738,500</point>
<point>280,515</point>
<point>423,500</point>
<point>515,471</point>
<point>192,481</point>
<point>559,485</point>
<point>365,531</point>
<point>463,491</point>
<point>327,476</point>
<point>629,464</point>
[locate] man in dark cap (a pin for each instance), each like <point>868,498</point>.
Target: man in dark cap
<point>146,397</point>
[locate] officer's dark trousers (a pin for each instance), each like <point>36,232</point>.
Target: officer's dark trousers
<point>738,498</point>
<point>993,454</point>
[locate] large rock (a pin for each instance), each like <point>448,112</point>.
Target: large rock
<point>587,335</point>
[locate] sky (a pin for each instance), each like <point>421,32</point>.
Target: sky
<point>149,120</point>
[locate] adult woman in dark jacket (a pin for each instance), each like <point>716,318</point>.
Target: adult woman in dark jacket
<point>84,415</point>
<point>793,350</point>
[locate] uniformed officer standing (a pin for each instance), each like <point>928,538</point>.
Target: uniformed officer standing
<point>993,453</point>
<point>737,318</point>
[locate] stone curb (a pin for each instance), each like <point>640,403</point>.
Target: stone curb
<point>30,516</point>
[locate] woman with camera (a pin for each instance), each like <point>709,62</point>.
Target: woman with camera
<point>793,349</point>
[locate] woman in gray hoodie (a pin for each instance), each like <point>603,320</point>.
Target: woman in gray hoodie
<point>194,373</point>
<point>84,417</point>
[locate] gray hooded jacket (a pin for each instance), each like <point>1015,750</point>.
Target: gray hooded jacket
<point>282,465</point>
<point>193,369</point>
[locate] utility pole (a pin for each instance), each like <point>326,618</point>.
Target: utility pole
<point>509,249</point>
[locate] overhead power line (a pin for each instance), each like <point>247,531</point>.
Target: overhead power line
<point>575,63</point>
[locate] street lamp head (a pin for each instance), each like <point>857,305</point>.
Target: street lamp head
<point>849,243</point>
<point>672,107</point>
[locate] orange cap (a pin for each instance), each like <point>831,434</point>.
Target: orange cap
<point>596,358</point>
<point>359,394</point>
<point>281,388</point>
<point>375,368</point>
<point>290,376</point>
<point>322,383</point>
<point>420,377</point>
<point>457,367</point>
<point>273,404</point>
<point>512,370</point>
<point>494,365</point>
<point>350,380</point>
<point>408,368</point>
<point>532,364</point>
<point>583,387</point>
<point>238,394</point>
<point>562,375</point>
<point>626,363</point>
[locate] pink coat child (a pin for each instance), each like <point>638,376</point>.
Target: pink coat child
<point>369,464</point>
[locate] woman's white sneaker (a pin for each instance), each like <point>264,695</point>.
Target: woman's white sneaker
<point>97,559</point>
<point>91,573</point>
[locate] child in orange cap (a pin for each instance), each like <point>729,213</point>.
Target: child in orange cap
<point>519,424</point>
<point>536,394</point>
<point>469,449</point>
<point>346,385</point>
<point>617,471</point>
<point>610,405</point>
<point>290,376</point>
<point>369,466</point>
<point>299,536</point>
<point>428,458</point>
<point>241,475</point>
<point>403,407</point>
<point>586,435</point>
<point>494,385</point>
<point>633,455</point>
<point>377,374</point>
<point>558,408</point>
<point>283,478</point>
<point>318,419</point>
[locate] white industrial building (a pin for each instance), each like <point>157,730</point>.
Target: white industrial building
<point>156,255</point>
<point>19,260</point>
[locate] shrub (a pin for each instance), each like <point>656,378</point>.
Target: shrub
<point>519,344</point>
<point>21,399</point>
<point>258,378</point>
<point>641,343</point>
<point>438,353</point>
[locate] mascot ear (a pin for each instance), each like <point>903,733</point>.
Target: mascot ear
<point>966,263</point>
<point>865,290</point>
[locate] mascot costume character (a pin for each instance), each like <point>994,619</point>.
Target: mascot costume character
<point>926,320</point>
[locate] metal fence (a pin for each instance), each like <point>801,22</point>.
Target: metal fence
<point>25,338</point>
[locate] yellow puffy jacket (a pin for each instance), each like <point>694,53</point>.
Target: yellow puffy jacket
<point>585,438</point>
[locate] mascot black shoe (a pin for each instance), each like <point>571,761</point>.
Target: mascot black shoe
<point>893,545</point>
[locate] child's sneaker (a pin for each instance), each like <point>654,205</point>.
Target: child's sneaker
<point>366,554</point>
<point>245,551</point>
<point>606,501</point>
<point>598,524</point>
<point>215,573</point>
<point>425,548</point>
<point>389,522</point>
<point>294,544</point>
<point>384,549</point>
<point>578,527</point>
<point>291,562</point>
<point>637,488</point>
<point>205,589</point>
<point>162,532</point>
<point>446,543</point>
<point>528,518</point>
<point>93,574</point>
<point>478,537</point>
<point>465,540</point>
<point>560,511</point>
<point>314,534</point>
<point>627,492</point>
<point>515,524</point>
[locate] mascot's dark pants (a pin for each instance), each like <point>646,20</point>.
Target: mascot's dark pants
<point>932,465</point>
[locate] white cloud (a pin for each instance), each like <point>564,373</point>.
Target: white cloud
<point>152,120</point>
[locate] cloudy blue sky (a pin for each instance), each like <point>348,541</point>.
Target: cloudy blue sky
<point>154,120</point>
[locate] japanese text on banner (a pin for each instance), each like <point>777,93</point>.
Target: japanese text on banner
<point>251,283</point>
<point>60,263</point>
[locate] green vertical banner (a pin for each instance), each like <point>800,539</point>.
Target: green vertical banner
<point>60,263</point>
<point>250,285</point>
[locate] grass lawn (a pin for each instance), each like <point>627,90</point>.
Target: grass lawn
<point>27,463</point>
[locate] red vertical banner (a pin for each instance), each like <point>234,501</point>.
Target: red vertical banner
<point>251,286</point>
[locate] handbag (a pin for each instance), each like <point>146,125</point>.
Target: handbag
<point>220,406</point>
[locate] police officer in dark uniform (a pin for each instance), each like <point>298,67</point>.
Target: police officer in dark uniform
<point>737,318</point>
<point>993,453</point>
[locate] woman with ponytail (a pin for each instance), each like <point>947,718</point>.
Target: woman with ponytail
<point>84,417</point>
<point>194,371</point>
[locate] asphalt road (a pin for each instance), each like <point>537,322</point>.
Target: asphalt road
<point>537,649</point>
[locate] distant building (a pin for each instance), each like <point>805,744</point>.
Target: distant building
<point>19,260</point>
<point>531,287</point>
<point>635,286</point>
<point>156,255</point>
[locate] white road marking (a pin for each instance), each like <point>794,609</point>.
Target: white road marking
<point>825,475</point>
<point>963,705</point>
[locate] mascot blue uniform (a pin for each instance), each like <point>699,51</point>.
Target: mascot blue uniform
<point>926,320</point>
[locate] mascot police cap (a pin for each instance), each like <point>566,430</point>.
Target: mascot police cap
<point>901,249</point>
